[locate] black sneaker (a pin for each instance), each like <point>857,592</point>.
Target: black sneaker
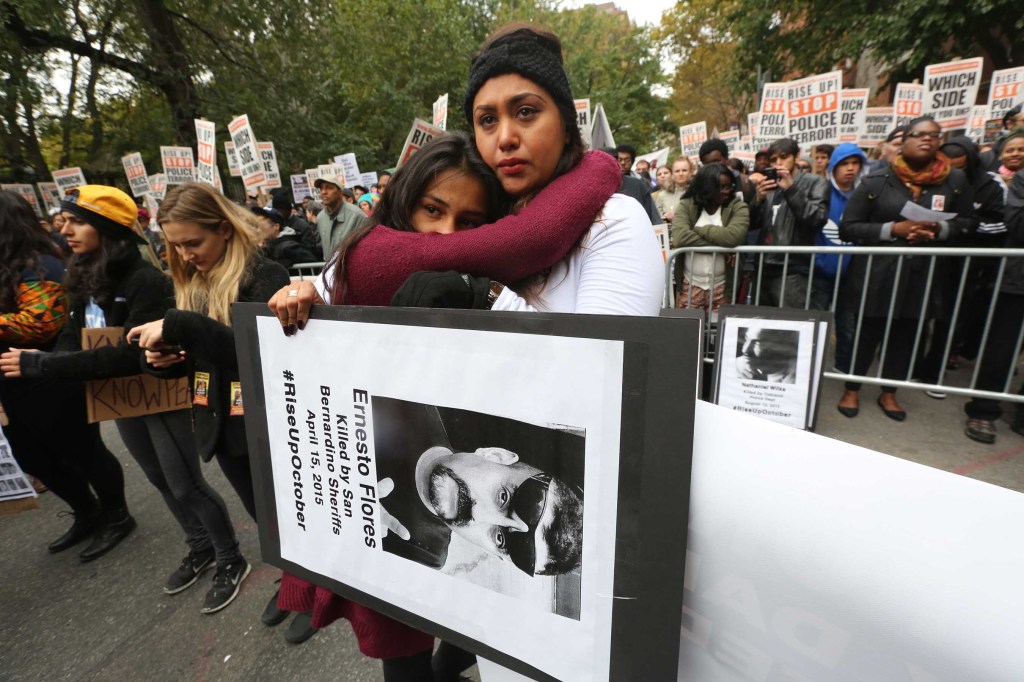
<point>226,583</point>
<point>188,573</point>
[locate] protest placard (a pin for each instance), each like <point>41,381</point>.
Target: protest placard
<point>1005,91</point>
<point>234,169</point>
<point>130,396</point>
<point>206,152</point>
<point>730,138</point>
<point>658,158</point>
<point>16,491</point>
<point>268,156</point>
<point>854,106</point>
<point>441,112</point>
<point>27,193</point>
<point>331,169</point>
<point>691,137</point>
<point>812,109</point>
<point>877,123</point>
<point>420,134</point>
<point>342,448</point>
<point>68,178</point>
<point>49,192</point>
<point>311,176</point>
<point>583,118</point>
<point>300,187</point>
<point>368,179</point>
<point>135,171</point>
<point>352,175</point>
<point>907,104</point>
<point>771,120</point>
<point>158,186</point>
<point>752,120</point>
<point>179,164</point>
<point>249,162</point>
<point>952,90</point>
<point>976,125</point>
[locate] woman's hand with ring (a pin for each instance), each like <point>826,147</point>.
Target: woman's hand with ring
<point>292,304</point>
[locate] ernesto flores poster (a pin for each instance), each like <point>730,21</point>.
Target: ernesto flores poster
<point>467,476</point>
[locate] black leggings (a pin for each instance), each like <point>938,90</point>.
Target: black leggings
<point>238,471</point>
<point>52,440</point>
<point>897,351</point>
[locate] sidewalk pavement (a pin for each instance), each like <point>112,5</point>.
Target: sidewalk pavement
<point>109,620</point>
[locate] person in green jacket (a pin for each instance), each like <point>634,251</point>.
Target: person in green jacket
<point>711,213</point>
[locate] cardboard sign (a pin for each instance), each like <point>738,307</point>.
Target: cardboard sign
<point>907,105</point>
<point>206,152</point>
<point>132,396</point>
<point>420,134</point>
<point>179,164</point>
<point>49,192</point>
<point>300,187</point>
<point>251,167</point>
<point>352,175</point>
<point>234,169</point>
<point>269,159</point>
<point>1005,91</point>
<point>812,109</point>
<point>771,120</point>
<point>68,178</point>
<point>135,171</point>
<point>158,186</point>
<point>583,119</point>
<point>976,125</point>
<point>952,90</point>
<point>27,193</point>
<point>691,137</point>
<point>441,112</point>
<point>877,123</point>
<point>853,106</point>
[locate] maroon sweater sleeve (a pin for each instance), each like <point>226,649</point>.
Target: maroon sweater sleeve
<point>508,250</point>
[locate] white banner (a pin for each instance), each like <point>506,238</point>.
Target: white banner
<point>691,137</point>
<point>234,168</point>
<point>583,119</point>
<point>771,121</point>
<point>441,112</point>
<point>854,103</point>
<point>952,90</point>
<point>269,159</point>
<point>179,165</point>
<point>249,162</point>
<point>812,109</point>
<point>27,193</point>
<point>206,152</point>
<point>1005,91</point>
<point>68,178</point>
<point>348,161</point>
<point>907,104</point>
<point>135,171</point>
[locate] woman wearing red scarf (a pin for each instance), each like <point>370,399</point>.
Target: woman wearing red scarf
<point>921,174</point>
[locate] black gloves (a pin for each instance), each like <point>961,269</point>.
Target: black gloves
<point>443,290</point>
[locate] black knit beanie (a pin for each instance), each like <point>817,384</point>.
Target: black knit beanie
<point>531,57</point>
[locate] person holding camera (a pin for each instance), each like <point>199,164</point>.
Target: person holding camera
<point>790,208</point>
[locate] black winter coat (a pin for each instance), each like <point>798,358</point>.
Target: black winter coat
<point>802,213</point>
<point>1013,277</point>
<point>878,200</point>
<point>210,349</point>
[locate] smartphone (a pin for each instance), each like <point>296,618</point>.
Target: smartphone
<point>771,173</point>
<point>166,350</point>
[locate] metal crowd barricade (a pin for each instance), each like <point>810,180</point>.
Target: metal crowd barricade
<point>747,256</point>
<point>303,271</point>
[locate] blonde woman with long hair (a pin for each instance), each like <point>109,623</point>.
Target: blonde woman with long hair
<point>214,261</point>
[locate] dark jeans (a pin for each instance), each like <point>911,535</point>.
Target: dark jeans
<point>795,293</point>
<point>238,471</point>
<point>999,357</point>
<point>897,352</point>
<point>52,440</point>
<point>165,450</point>
<point>846,329</point>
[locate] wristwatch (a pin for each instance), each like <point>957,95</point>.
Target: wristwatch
<point>494,293</point>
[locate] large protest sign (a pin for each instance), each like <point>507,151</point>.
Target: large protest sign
<point>206,152</point>
<point>353,176</point>
<point>976,124</point>
<point>131,396</point>
<point>731,138</point>
<point>234,168</point>
<point>300,187</point>
<point>27,193</point>
<point>1005,91</point>
<point>312,174</point>
<point>68,178</point>
<point>369,179</point>
<point>346,452</point>
<point>135,171</point>
<point>420,134</point>
<point>179,164</point>
<point>812,108</point>
<point>771,120</point>
<point>691,137</point>
<point>441,112</point>
<point>268,156</point>
<point>249,162</point>
<point>952,90</point>
<point>854,106</point>
<point>583,118</point>
<point>877,124</point>
<point>752,123</point>
<point>158,186</point>
<point>49,192</point>
<point>907,104</point>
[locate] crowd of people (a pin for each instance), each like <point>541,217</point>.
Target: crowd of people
<point>516,216</point>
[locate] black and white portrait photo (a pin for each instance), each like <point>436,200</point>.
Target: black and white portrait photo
<point>483,498</point>
<point>767,354</point>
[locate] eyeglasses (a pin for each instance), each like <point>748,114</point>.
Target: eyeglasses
<point>917,134</point>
